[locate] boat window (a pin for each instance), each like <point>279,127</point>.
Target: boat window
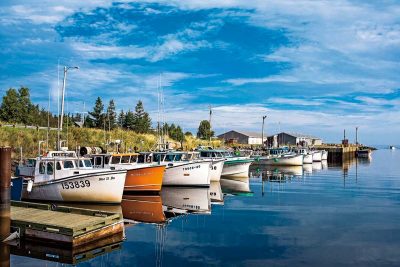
<point>58,166</point>
<point>42,168</point>
<point>98,161</point>
<point>158,157</point>
<point>140,159</point>
<point>107,159</point>
<point>125,159</point>
<point>50,169</point>
<point>134,159</point>
<point>178,157</point>
<point>115,160</point>
<point>81,164</point>
<point>169,158</point>
<point>204,154</point>
<point>88,163</point>
<point>68,164</point>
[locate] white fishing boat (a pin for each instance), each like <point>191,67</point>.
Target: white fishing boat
<point>233,166</point>
<point>181,172</point>
<point>392,147</point>
<point>281,157</point>
<point>216,166</point>
<point>182,200</point>
<point>316,155</point>
<point>307,156</point>
<point>61,176</point>
<point>324,155</point>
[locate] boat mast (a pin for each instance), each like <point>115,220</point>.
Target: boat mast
<point>60,126</point>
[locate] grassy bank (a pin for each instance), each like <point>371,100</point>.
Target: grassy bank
<point>29,139</point>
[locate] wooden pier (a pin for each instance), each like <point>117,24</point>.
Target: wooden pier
<point>339,153</point>
<point>66,225</point>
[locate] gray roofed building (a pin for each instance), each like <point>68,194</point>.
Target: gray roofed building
<point>291,138</point>
<point>242,137</point>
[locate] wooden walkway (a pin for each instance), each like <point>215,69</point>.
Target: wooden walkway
<point>71,226</point>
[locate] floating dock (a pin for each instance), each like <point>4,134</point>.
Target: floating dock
<point>66,225</point>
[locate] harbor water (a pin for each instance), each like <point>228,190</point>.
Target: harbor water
<point>324,214</point>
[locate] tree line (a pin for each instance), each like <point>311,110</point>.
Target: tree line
<point>17,108</point>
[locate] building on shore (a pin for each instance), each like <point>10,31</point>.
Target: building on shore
<point>292,139</point>
<point>242,137</point>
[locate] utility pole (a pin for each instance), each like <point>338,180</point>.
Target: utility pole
<point>357,136</point>
<point>262,131</point>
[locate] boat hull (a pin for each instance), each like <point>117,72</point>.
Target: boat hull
<point>308,159</point>
<point>98,187</point>
<point>317,156</point>
<point>324,155</point>
<point>296,160</point>
<point>216,170</point>
<point>236,168</point>
<point>147,179</point>
<point>187,174</point>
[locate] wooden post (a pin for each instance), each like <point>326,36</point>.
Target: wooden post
<point>5,196</point>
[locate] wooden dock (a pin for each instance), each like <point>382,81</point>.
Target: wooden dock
<point>61,224</point>
<point>339,153</point>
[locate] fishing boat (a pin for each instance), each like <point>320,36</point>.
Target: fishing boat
<point>324,155</point>
<point>216,165</point>
<point>141,175</point>
<point>234,166</point>
<point>179,171</point>
<point>316,155</point>
<point>307,156</point>
<point>62,176</point>
<point>363,153</point>
<point>281,157</point>
<point>392,147</point>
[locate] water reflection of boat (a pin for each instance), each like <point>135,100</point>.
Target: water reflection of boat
<point>292,170</point>
<point>143,208</point>
<point>66,255</point>
<point>307,168</point>
<point>236,187</point>
<point>324,164</point>
<point>182,200</point>
<point>317,166</point>
<point>216,195</point>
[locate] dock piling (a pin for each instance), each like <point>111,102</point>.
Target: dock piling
<point>5,196</point>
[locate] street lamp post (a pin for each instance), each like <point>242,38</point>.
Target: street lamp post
<point>60,126</point>
<point>262,131</point>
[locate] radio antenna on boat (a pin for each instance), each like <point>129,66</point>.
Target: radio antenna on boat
<point>61,116</point>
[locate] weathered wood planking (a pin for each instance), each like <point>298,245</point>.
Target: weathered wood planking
<point>63,224</point>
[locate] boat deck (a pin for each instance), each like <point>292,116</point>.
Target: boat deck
<point>72,226</point>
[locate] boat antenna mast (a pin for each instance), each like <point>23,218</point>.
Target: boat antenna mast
<point>61,116</point>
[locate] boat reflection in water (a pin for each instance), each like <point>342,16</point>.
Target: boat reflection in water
<point>143,208</point>
<point>317,166</point>
<point>237,186</point>
<point>216,195</point>
<point>290,170</point>
<point>61,254</point>
<point>185,200</point>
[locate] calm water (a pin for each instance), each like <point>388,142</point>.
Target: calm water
<point>322,215</point>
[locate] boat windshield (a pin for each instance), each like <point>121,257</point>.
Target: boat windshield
<point>158,157</point>
<point>115,160</point>
<point>169,157</point>
<point>125,159</point>
<point>69,164</point>
<point>205,154</point>
<point>134,159</point>
<point>87,163</point>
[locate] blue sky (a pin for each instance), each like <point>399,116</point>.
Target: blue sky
<point>316,67</point>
